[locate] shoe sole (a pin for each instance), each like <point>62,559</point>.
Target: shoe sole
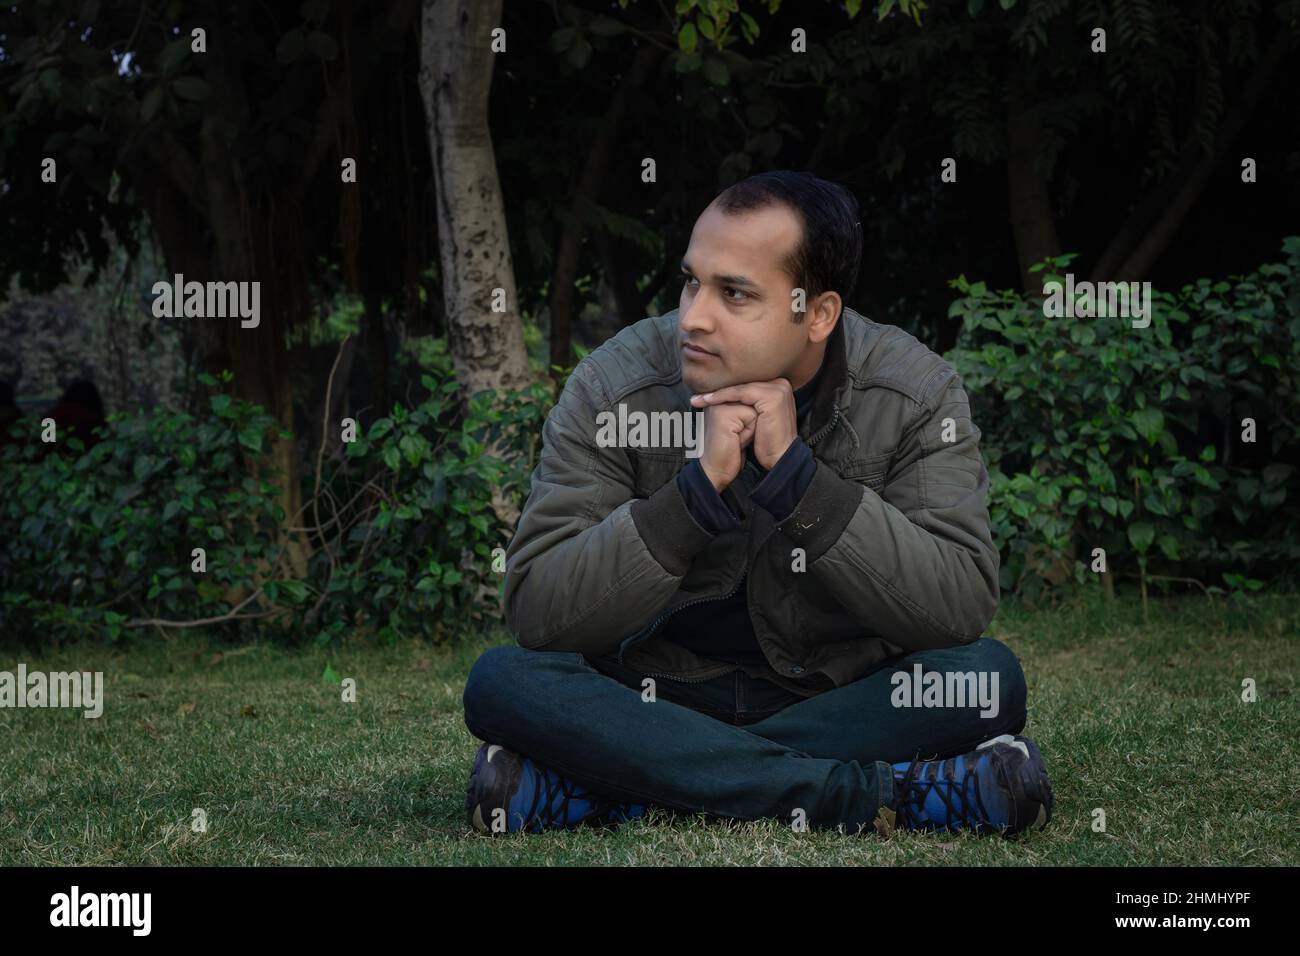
<point>490,784</point>
<point>1030,780</point>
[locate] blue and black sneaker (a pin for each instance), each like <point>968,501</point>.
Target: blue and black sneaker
<point>1000,786</point>
<point>509,792</point>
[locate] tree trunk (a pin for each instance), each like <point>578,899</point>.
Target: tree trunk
<point>377,351</point>
<point>259,356</point>
<point>487,346</point>
<point>587,190</point>
<point>1031,206</point>
<point>623,303</point>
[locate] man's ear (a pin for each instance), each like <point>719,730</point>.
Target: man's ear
<point>823,314</point>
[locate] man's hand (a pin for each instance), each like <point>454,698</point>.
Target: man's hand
<point>728,428</point>
<point>777,426</point>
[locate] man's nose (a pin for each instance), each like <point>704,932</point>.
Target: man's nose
<point>696,317</point>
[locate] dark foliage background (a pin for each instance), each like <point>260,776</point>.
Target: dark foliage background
<point>1126,164</point>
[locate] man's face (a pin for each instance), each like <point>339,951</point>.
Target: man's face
<point>736,301</point>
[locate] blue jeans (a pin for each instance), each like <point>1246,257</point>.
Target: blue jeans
<point>735,747</point>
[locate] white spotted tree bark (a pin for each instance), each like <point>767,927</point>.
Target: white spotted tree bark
<point>456,63</point>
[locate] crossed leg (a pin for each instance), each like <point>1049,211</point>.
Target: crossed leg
<point>828,756</point>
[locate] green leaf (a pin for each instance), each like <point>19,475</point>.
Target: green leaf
<point>1141,534</point>
<point>295,591</point>
<point>173,54</point>
<point>151,103</point>
<point>1083,334</point>
<point>687,38</point>
<point>413,447</point>
<point>250,436</point>
<point>331,675</point>
<point>715,71</point>
<point>1276,474</point>
<point>1149,422</point>
<point>1271,499</point>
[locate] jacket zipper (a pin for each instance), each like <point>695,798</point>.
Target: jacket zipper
<point>646,634</point>
<point>814,439</point>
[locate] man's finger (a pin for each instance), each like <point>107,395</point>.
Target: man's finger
<point>748,394</point>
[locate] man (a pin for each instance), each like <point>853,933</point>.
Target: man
<point>737,628</point>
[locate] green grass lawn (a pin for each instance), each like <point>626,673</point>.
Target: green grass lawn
<point>1145,722</point>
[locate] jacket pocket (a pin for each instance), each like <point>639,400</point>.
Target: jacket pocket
<point>870,472</point>
<point>653,471</point>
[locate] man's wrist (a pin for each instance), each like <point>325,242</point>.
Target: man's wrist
<point>719,485</point>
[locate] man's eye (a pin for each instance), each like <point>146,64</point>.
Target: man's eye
<point>688,279</point>
<point>742,295</point>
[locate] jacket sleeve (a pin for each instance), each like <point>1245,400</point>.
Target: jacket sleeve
<point>590,563</point>
<point>915,564</point>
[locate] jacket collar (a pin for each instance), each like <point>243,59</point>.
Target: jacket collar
<point>833,385</point>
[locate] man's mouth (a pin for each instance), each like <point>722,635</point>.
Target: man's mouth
<point>694,351</point>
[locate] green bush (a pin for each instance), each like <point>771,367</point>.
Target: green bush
<point>94,538</point>
<point>418,547</point>
<point>1098,434</point>
<point>99,542</point>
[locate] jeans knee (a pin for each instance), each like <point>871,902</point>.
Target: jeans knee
<point>507,682</point>
<point>490,672</point>
<point>997,658</point>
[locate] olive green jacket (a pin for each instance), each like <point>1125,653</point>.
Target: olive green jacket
<point>889,551</point>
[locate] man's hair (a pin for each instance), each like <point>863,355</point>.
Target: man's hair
<point>830,251</point>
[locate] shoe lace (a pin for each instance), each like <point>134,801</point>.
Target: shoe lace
<point>551,798</point>
<point>553,792</point>
<point>961,799</point>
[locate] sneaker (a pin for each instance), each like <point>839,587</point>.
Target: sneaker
<point>1000,786</point>
<point>533,798</point>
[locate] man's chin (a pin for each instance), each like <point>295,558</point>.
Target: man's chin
<point>699,384</point>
